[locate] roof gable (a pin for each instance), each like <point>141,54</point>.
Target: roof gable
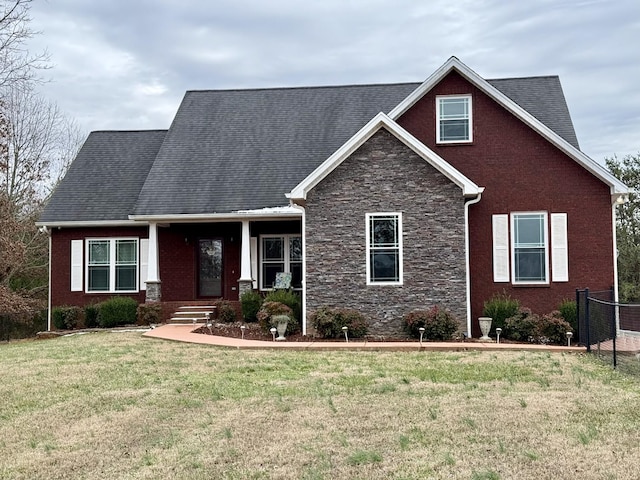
<point>453,64</point>
<point>383,121</point>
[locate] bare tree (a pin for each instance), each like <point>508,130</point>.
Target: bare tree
<point>17,65</point>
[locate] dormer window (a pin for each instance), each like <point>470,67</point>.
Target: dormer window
<point>453,119</point>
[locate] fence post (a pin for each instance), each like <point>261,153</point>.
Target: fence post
<point>587,323</point>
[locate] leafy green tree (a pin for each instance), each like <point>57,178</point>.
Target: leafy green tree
<point>627,169</point>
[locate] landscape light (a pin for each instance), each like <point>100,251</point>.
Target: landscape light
<point>346,337</point>
<point>273,333</point>
<point>242,329</point>
<point>421,330</point>
<point>569,335</point>
<point>498,332</point>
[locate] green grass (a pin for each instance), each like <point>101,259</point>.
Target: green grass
<point>118,405</point>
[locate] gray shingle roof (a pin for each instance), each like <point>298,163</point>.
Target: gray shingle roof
<point>230,150</point>
<point>104,180</point>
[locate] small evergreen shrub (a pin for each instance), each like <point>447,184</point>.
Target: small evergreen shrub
<point>500,307</point>
<point>66,318</point>
<point>438,323</point>
<point>91,312</point>
<point>225,311</point>
<point>552,328</point>
<point>289,298</point>
<point>269,309</point>
<point>251,302</point>
<point>521,326</point>
<point>117,311</point>
<point>148,313</point>
<point>328,322</point>
<point>569,311</point>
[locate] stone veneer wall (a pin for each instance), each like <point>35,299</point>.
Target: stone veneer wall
<point>384,175</point>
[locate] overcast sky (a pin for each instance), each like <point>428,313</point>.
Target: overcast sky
<point>125,65</point>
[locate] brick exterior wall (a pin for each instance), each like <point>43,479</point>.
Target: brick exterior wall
<point>521,171</point>
<point>384,175</point>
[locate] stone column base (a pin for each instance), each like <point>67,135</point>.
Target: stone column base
<point>244,286</point>
<point>154,292</point>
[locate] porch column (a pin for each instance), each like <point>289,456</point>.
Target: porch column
<point>154,293</point>
<point>245,281</point>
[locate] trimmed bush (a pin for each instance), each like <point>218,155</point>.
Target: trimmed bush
<point>328,322</point>
<point>552,328</point>
<point>225,311</point>
<point>438,323</point>
<point>269,309</point>
<point>117,311</point>
<point>569,311</point>
<point>148,313</point>
<point>91,312</point>
<point>526,326</point>
<point>66,318</point>
<point>521,326</point>
<point>289,298</point>
<point>500,307</point>
<point>251,302</point>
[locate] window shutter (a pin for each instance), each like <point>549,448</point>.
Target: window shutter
<point>144,262</point>
<point>76,265</point>
<point>559,248</point>
<point>254,261</point>
<point>500,225</point>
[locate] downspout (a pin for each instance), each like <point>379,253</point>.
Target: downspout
<point>618,201</point>
<point>46,231</point>
<point>468,256</point>
<point>304,266</point>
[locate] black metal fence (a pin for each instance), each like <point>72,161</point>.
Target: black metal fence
<point>601,320</point>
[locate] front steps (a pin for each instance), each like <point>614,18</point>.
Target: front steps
<point>192,314</point>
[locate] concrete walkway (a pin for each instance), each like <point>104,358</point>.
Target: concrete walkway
<point>183,333</point>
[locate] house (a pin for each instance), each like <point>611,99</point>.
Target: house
<point>384,198</point>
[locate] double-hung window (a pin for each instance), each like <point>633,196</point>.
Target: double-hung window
<point>454,119</point>
<point>384,248</point>
<point>112,265</point>
<point>529,244</point>
<point>280,253</point>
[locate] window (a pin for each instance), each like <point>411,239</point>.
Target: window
<point>384,248</point>
<point>453,119</point>
<point>112,265</point>
<point>280,253</point>
<point>529,243</point>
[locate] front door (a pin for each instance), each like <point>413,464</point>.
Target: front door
<point>210,267</point>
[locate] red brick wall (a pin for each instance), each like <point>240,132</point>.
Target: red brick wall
<point>521,172</point>
<point>61,293</point>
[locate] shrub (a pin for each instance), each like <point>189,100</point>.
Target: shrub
<point>225,311</point>
<point>117,311</point>
<point>552,328</point>
<point>251,302</point>
<point>526,326</point>
<point>287,297</point>
<point>22,325</point>
<point>438,323</point>
<point>569,311</point>
<point>328,322</point>
<point>91,312</point>
<point>148,313</point>
<point>500,307</point>
<point>269,309</point>
<point>66,318</point>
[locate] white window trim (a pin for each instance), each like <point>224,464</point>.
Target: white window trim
<point>438,100</point>
<point>112,265</point>
<point>368,248</point>
<point>287,256</point>
<point>545,218</point>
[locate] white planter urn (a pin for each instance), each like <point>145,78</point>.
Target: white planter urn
<point>485,327</point>
<point>280,321</point>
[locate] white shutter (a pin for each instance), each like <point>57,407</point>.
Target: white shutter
<point>76,265</point>
<point>559,248</point>
<point>500,224</point>
<point>144,262</point>
<point>254,261</point>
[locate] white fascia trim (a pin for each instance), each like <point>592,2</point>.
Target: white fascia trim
<point>270,213</point>
<point>616,186</point>
<point>376,123</point>
<point>97,223</point>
